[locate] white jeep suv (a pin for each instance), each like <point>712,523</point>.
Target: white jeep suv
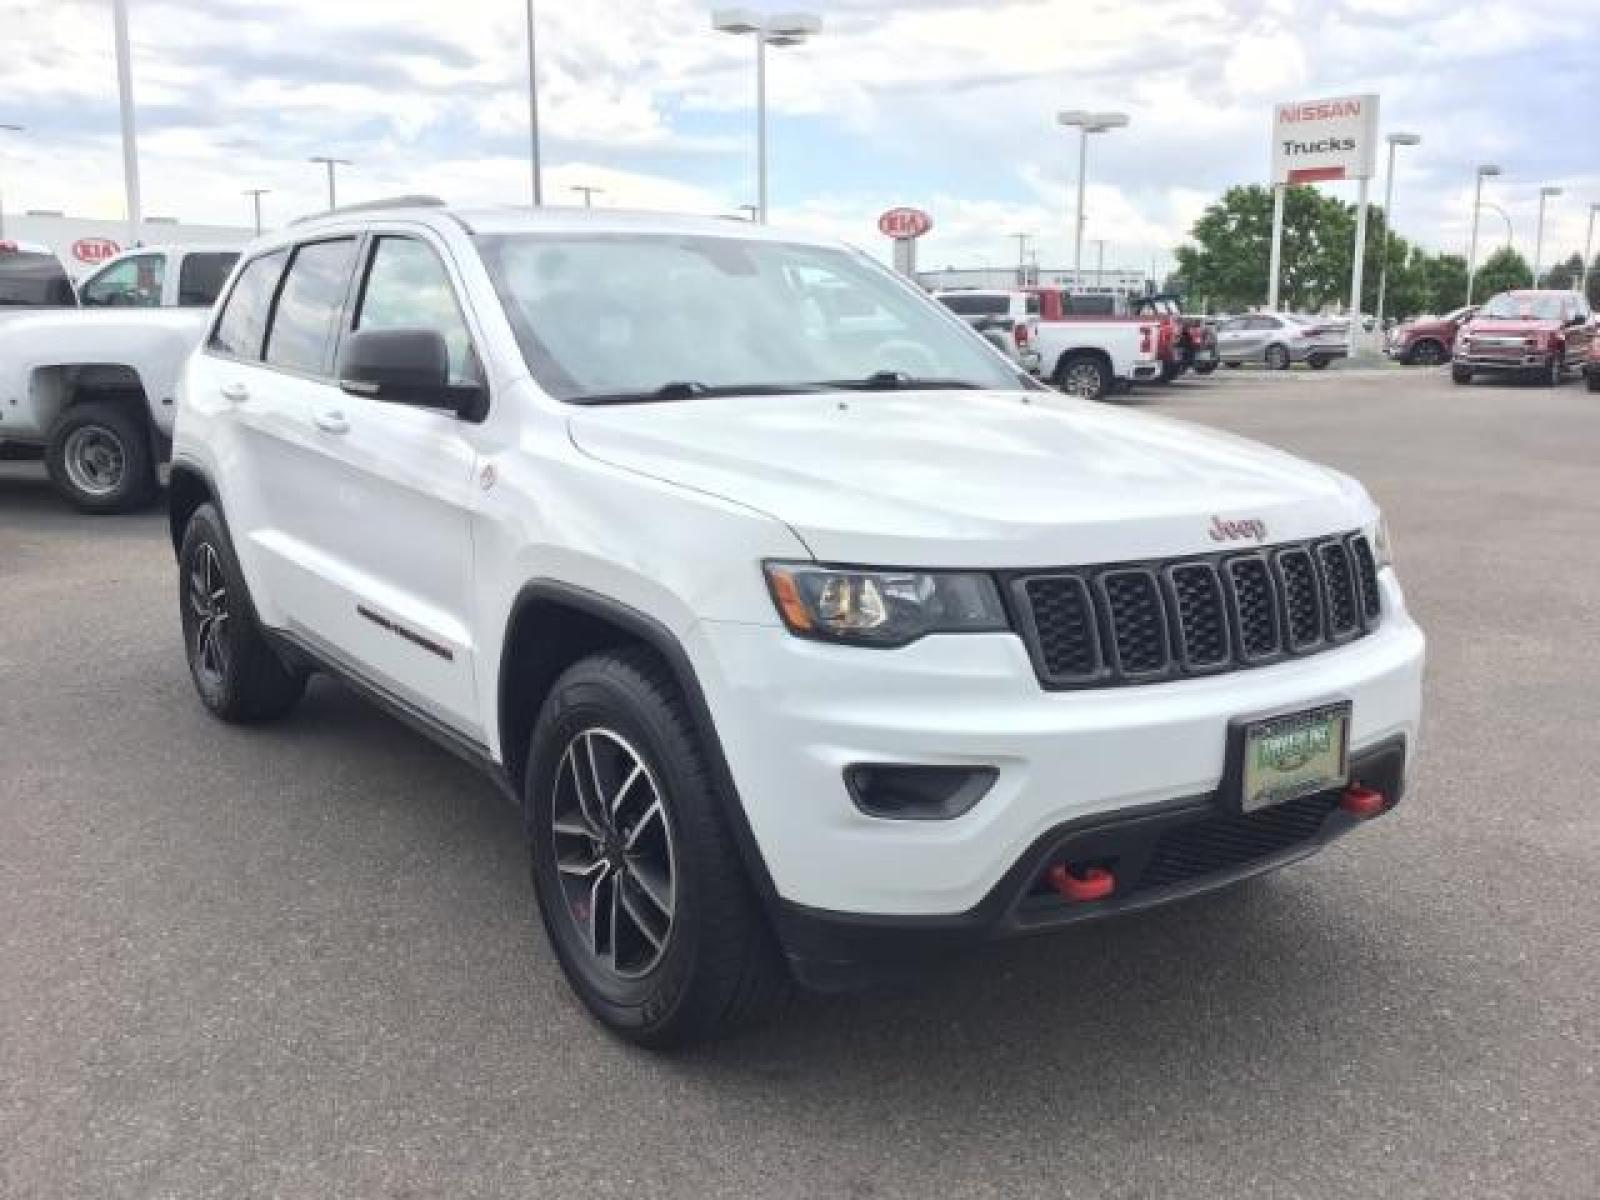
<point>808,645</point>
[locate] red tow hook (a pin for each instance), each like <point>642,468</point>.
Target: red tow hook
<point>1362,802</point>
<point>1094,884</point>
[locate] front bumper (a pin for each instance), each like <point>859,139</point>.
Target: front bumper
<point>1519,361</point>
<point>792,715</point>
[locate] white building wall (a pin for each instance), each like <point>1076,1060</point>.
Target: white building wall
<point>83,242</point>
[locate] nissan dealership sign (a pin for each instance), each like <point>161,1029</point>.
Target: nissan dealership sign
<point>1315,140</point>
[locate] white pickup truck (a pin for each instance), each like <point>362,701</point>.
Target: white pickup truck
<point>1091,359</point>
<point>95,389</point>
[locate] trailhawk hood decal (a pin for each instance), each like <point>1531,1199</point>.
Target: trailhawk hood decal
<point>984,479</point>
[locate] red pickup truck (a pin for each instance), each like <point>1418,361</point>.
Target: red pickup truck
<point>1542,334</point>
<point>1183,343</point>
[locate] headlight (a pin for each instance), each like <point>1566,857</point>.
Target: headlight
<point>883,608</point>
<point>1382,546</point>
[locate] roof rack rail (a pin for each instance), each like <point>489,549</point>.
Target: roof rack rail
<point>370,205</point>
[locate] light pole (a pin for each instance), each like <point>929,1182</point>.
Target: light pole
<point>1099,262</point>
<point>782,29</point>
<point>255,195</point>
<point>130,136</point>
<point>1538,237</point>
<point>1588,250</point>
<point>1022,257</point>
<point>750,211</point>
<point>533,116</point>
<point>1486,170</point>
<point>7,128</point>
<point>331,163</point>
<point>1504,216</point>
<point>1086,123</point>
<point>1394,139</point>
<point>588,193</point>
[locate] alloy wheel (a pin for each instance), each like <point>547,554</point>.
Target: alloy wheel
<point>1082,379</point>
<point>208,600</point>
<point>95,460</point>
<point>614,852</point>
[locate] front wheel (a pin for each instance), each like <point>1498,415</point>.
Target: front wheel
<point>1086,376</point>
<point>1208,368</point>
<point>1461,374</point>
<point>1277,358</point>
<point>640,884</point>
<point>1317,362</point>
<point>239,677</point>
<point>1594,380</point>
<point>1426,353</point>
<point>99,457</point>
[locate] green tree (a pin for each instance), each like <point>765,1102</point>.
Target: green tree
<point>1563,276</point>
<point>1446,282</point>
<point>1504,270</point>
<point>1593,288</point>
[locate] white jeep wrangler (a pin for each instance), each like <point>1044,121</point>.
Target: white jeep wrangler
<point>808,646</point>
<point>94,390</point>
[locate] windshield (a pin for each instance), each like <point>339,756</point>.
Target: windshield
<point>1508,306</point>
<point>620,316</point>
<point>29,280</point>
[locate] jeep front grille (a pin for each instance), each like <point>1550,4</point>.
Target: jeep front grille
<point>1146,622</point>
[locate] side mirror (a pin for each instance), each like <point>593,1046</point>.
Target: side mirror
<point>405,366</point>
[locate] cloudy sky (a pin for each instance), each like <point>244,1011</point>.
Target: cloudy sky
<point>946,104</point>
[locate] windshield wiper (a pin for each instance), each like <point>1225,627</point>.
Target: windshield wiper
<point>900,381</point>
<point>690,389</point>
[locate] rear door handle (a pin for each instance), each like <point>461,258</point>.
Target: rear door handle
<point>331,421</point>
<point>236,392</point>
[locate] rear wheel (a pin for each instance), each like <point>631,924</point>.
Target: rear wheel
<point>1208,368</point>
<point>1169,372</point>
<point>1461,374</point>
<point>239,677</point>
<point>1233,366</point>
<point>1594,380</point>
<point>1277,358</point>
<point>640,884</point>
<point>99,457</point>
<point>1317,362</point>
<point>1084,375</point>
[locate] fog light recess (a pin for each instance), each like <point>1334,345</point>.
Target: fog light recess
<point>913,793</point>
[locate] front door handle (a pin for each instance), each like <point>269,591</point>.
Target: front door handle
<point>331,421</point>
<point>236,392</point>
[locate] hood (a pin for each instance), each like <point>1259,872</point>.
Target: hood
<point>980,479</point>
<point>1507,325</point>
<point>33,322</point>
<point>1431,325</point>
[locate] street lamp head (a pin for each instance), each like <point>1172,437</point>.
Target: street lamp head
<point>12,128</point>
<point>1489,169</point>
<point>1073,116</point>
<point>735,20</point>
<point>1108,120</point>
<point>1404,139</point>
<point>792,27</point>
<point>1549,191</point>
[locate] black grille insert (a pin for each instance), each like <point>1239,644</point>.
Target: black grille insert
<point>1143,622</point>
<point>1228,841</point>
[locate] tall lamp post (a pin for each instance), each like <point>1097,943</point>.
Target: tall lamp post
<point>1085,123</point>
<point>331,163</point>
<point>781,29</point>
<point>588,193</point>
<point>255,195</point>
<point>130,136</point>
<point>1485,171</point>
<point>7,128</point>
<point>1545,193</point>
<point>1395,140</point>
<point>533,117</point>
<point>1588,250</point>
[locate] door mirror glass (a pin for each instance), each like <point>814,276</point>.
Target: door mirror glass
<point>404,366</point>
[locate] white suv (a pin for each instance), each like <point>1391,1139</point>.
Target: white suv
<point>807,645</point>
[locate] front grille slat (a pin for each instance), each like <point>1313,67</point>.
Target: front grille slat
<point>1145,622</point>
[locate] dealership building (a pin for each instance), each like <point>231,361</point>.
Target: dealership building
<point>82,242</point>
<point>1117,281</point>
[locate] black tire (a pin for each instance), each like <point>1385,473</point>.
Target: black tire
<point>1554,371</point>
<point>1233,366</point>
<point>1425,352</point>
<point>1087,376</point>
<point>1461,374</point>
<point>1170,371</point>
<point>99,457</point>
<point>1277,358</point>
<point>239,678</point>
<point>1317,362</point>
<point>1594,380</point>
<point>712,965</point>
<point>1208,368</point>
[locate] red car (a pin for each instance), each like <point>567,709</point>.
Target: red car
<point>1591,365</point>
<point>1541,334</point>
<point>1428,341</point>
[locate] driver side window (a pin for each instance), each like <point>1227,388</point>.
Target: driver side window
<point>134,282</point>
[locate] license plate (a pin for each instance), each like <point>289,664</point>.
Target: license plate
<point>1281,758</point>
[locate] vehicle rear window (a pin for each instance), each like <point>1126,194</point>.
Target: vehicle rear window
<point>243,325</point>
<point>1031,305</point>
<point>30,280</point>
<point>1091,306</point>
<point>202,275</point>
<point>978,306</point>
<point>308,308</point>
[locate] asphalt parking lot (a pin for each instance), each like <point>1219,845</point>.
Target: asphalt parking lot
<point>302,961</point>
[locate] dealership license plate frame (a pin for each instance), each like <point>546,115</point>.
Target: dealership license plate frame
<point>1249,787</point>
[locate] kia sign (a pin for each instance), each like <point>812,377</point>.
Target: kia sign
<point>93,250</point>
<point>904,224</point>
<point>1314,140</point>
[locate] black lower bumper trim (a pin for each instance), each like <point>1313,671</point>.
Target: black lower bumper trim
<point>1160,854</point>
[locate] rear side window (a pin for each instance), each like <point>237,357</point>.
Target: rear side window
<point>29,280</point>
<point>134,282</point>
<point>307,313</point>
<point>201,277</point>
<point>1031,304</point>
<point>977,306</point>
<point>243,324</point>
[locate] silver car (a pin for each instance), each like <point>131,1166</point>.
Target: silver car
<point>1278,339</point>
